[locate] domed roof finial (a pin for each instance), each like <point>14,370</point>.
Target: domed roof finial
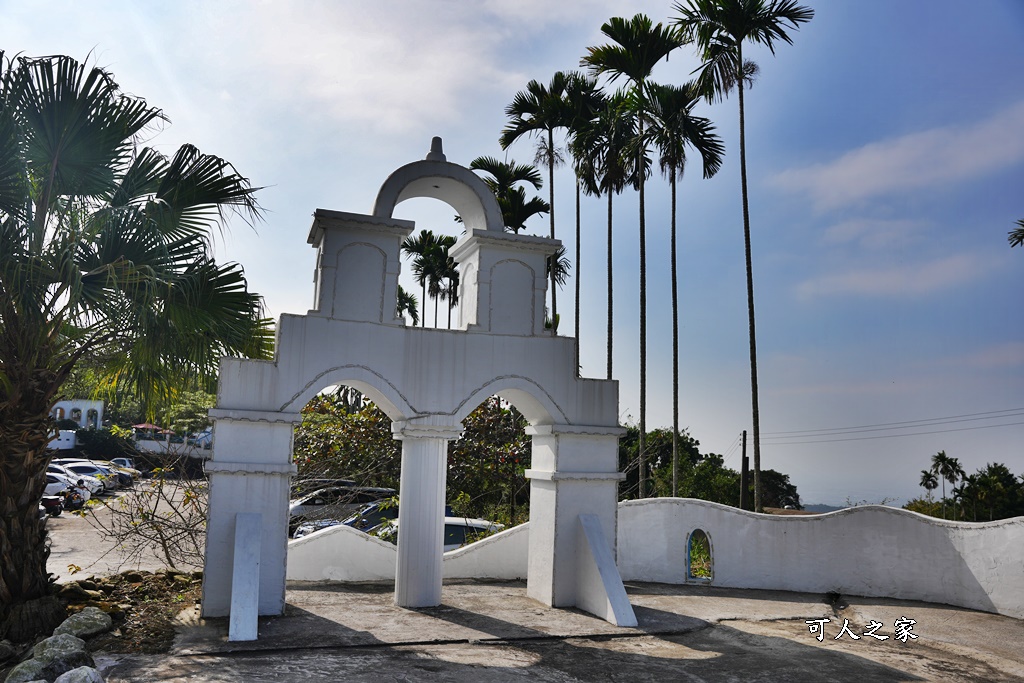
<point>436,153</point>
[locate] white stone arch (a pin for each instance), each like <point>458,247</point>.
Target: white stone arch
<point>427,381</point>
<point>455,185</point>
<point>370,382</point>
<point>527,395</point>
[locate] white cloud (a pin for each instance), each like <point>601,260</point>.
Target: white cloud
<point>936,157</point>
<point>898,280</point>
<point>875,234</point>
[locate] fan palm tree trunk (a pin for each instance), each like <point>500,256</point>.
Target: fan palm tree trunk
<point>755,413</point>
<point>25,425</point>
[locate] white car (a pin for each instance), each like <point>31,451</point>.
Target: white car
<point>56,482</point>
<point>458,531</point>
<point>111,476</point>
<point>92,484</point>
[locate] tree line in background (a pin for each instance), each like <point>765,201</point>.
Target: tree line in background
<point>343,436</point>
<point>993,492</point>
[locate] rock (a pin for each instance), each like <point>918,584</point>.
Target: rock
<point>52,657</point>
<point>72,592</point>
<point>89,584</point>
<point>88,622</point>
<point>83,674</point>
<point>133,577</point>
<point>7,651</point>
<point>183,579</point>
<point>28,671</point>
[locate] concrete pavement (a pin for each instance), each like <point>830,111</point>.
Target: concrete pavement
<point>490,631</point>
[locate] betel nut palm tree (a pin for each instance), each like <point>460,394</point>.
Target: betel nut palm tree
<point>720,28</point>
<point>1016,236</point>
<point>584,99</point>
<point>104,254</point>
<point>504,180</point>
<point>419,247</point>
<point>673,129</point>
<point>540,110</point>
<point>601,149</point>
<point>929,481</point>
<point>636,48</point>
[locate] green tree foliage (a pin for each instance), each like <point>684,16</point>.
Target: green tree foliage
<point>486,466</point>
<point>104,253</point>
<point>991,493</point>
<point>1016,236</point>
<point>342,439</point>
<point>103,444</point>
<point>702,476</point>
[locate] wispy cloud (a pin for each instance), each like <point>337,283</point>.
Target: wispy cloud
<point>940,156</point>
<point>998,357</point>
<point>898,280</point>
<point>875,234</point>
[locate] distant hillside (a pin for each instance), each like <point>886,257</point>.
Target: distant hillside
<point>821,507</point>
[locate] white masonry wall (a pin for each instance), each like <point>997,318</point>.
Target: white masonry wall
<point>871,551</point>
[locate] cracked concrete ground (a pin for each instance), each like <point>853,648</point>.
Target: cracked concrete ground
<point>490,631</point>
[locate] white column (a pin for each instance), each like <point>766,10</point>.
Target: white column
<point>421,493</point>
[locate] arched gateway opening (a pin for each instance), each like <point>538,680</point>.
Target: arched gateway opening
<point>427,381</point>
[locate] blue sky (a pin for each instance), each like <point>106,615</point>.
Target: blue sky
<point>886,165</point>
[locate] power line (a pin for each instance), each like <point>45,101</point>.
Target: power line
<point>893,436</point>
<point>909,424</point>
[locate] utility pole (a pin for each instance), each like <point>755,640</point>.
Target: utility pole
<point>744,475</point>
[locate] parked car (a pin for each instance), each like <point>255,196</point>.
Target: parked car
<point>125,462</point>
<point>458,531</point>
<point>377,512</point>
<point>109,479</point>
<point>93,485</point>
<point>132,473</point>
<point>57,483</point>
<point>301,487</point>
<point>306,528</point>
<point>335,502</point>
<point>125,476</point>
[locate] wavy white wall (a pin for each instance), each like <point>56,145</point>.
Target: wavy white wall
<point>341,553</point>
<point>872,551</point>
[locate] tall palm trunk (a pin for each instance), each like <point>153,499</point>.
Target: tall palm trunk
<point>756,417</point>
<point>551,203</point>
<point>643,312</point>
<point>577,328</point>
<point>611,308</point>
<point>675,346</point>
<point>423,305</point>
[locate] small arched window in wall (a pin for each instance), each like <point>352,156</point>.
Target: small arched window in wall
<point>700,566</point>
<point>92,419</point>
<point>76,415</point>
<point>58,414</point>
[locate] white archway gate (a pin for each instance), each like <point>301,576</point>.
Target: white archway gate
<point>427,381</point>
